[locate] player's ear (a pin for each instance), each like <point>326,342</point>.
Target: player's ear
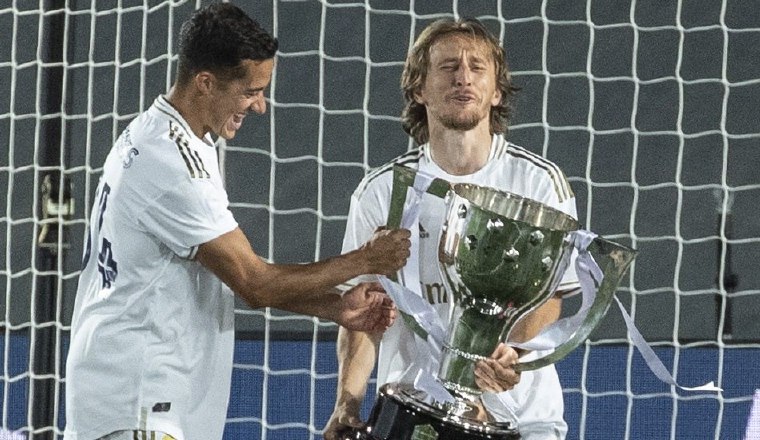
<point>496,97</point>
<point>204,82</point>
<point>418,97</point>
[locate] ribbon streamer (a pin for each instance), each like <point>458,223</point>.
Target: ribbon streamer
<point>409,275</point>
<point>423,313</point>
<point>653,362</point>
<point>436,393</point>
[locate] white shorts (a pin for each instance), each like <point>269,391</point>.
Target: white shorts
<point>137,435</point>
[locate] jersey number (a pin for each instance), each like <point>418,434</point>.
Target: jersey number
<point>106,264</point>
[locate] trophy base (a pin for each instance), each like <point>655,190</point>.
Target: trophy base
<point>397,415</point>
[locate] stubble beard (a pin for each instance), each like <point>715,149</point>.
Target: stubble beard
<point>461,122</point>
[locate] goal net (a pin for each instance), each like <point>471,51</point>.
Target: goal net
<point>649,107</point>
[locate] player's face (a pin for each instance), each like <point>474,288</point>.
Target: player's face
<point>460,87</point>
<point>235,99</point>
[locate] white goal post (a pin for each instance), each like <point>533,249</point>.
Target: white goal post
<point>649,107</point>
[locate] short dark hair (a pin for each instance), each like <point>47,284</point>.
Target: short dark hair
<point>414,116</point>
<point>218,38</point>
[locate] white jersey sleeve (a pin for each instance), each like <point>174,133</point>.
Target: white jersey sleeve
<point>187,215</point>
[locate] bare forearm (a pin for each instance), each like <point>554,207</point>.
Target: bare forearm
<point>302,288</point>
<point>262,284</point>
<point>357,352</point>
<point>532,324</point>
<point>322,304</point>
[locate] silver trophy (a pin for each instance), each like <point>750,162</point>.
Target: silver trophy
<point>501,256</point>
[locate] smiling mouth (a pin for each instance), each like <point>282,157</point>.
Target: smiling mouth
<point>238,118</point>
<point>236,122</point>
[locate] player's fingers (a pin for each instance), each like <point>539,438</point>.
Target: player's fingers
<point>393,314</point>
<point>402,235</point>
<point>496,376</point>
<point>388,302</point>
<point>505,354</point>
<point>385,320</point>
<point>376,299</point>
<point>374,286</point>
<point>486,383</point>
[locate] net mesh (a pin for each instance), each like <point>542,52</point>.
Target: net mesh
<point>649,108</point>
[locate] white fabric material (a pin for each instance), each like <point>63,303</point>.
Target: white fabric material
<point>536,398</point>
<point>410,273</point>
<point>653,362</point>
<point>509,168</point>
<point>420,310</point>
<point>153,331</point>
<point>753,422</point>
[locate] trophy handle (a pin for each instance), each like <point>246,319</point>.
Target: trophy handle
<point>403,178</point>
<point>614,259</point>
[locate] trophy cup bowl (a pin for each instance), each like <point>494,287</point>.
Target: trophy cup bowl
<point>501,256</point>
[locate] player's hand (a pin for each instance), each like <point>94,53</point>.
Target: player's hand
<point>477,411</point>
<point>366,308</point>
<point>496,373</point>
<point>387,250</point>
<point>342,424</point>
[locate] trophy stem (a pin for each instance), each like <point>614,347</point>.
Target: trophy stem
<point>473,337</point>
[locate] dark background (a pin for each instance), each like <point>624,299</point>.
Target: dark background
<point>651,111</point>
<point>650,107</point>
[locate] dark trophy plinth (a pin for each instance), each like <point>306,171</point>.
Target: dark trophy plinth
<point>400,413</point>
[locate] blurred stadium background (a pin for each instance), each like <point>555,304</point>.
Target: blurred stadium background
<point>650,107</point>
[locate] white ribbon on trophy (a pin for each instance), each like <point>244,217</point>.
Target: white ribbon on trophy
<point>407,295</point>
<point>408,299</point>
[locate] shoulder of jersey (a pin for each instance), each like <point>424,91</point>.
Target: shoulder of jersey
<point>507,150</point>
<point>383,174</point>
<point>164,142</point>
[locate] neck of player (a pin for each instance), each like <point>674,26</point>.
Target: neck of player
<point>458,152</point>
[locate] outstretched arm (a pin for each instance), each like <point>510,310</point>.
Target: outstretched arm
<point>301,288</point>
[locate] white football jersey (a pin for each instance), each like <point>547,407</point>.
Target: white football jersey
<point>509,168</point>
<point>152,334</point>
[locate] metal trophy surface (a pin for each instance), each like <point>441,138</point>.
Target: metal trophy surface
<point>501,256</point>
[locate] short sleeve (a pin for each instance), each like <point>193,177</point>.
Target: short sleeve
<point>188,215</point>
<point>366,213</point>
